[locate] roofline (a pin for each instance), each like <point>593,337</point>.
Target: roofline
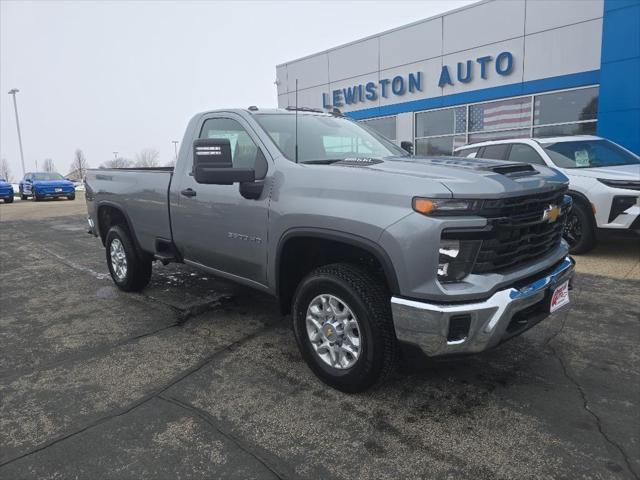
<point>561,138</point>
<point>386,32</point>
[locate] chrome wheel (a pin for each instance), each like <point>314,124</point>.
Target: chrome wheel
<point>333,331</point>
<point>118,259</point>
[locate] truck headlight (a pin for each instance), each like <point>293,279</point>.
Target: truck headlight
<point>456,258</point>
<point>445,206</point>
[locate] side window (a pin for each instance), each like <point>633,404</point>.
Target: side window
<point>524,154</point>
<point>467,153</point>
<point>243,149</point>
<point>496,152</point>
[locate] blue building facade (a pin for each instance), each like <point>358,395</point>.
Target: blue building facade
<point>619,102</point>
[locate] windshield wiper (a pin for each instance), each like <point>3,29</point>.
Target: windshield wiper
<point>325,161</point>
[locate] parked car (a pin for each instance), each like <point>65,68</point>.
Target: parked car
<point>41,185</point>
<point>371,249</point>
<point>604,180</point>
<point>6,191</point>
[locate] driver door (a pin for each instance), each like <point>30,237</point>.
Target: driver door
<point>214,225</point>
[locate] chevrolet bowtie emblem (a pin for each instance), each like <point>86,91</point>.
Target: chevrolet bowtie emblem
<point>551,213</point>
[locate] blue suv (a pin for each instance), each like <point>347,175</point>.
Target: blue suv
<point>40,185</point>
<point>6,191</point>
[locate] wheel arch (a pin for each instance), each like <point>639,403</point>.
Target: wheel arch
<point>320,245</point>
<point>110,214</point>
<point>579,197</point>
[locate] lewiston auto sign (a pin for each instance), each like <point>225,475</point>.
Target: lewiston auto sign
<point>398,86</point>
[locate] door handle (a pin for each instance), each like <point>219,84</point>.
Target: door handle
<point>189,192</point>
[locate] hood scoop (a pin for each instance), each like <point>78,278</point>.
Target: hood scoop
<point>514,169</point>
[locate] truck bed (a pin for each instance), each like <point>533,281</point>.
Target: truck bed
<point>143,193</point>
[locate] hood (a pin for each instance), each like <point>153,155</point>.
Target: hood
<point>53,183</point>
<point>463,177</point>
<point>620,172</point>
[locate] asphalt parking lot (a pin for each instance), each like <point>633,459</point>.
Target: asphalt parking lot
<point>198,378</point>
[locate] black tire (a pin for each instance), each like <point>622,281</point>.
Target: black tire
<point>23,197</point>
<point>72,197</point>
<point>35,197</point>
<point>580,229</point>
<point>8,200</point>
<point>138,270</point>
<point>369,300</point>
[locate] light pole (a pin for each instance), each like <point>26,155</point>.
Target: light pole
<point>175,147</point>
<point>13,92</point>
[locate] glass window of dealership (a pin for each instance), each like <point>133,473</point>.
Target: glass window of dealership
<point>549,114</point>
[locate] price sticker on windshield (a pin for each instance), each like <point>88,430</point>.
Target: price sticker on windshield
<point>582,158</point>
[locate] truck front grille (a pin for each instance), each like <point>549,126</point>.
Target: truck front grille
<point>519,231</point>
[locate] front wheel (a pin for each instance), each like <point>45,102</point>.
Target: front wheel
<point>129,269</point>
<point>579,231</point>
<point>8,199</point>
<point>343,326</point>
<point>71,197</point>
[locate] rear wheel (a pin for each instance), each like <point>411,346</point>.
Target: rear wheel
<point>72,197</point>
<point>8,199</point>
<point>580,231</point>
<point>35,197</point>
<point>343,326</point>
<point>129,269</point>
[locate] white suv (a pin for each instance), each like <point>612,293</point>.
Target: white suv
<point>604,180</point>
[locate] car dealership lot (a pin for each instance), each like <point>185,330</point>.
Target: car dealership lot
<point>199,378</point>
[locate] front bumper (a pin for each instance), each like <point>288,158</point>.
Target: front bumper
<point>484,324</point>
<point>54,194</point>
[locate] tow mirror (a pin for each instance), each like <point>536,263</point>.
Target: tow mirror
<point>407,146</point>
<point>212,163</point>
<point>252,190</point>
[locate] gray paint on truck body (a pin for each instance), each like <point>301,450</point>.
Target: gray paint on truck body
<point>371,202</point>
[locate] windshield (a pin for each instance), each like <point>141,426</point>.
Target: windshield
<point>325,138</point>
<point>47,176</point>
<point>589,154</point>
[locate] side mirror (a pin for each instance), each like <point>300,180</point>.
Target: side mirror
<point>212,163</point>
<point>252,190</point>
<point>407,146</point>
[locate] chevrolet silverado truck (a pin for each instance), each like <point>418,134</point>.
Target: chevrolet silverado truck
<point>373,251</point>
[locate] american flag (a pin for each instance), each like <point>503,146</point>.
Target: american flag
<point>502,115</point>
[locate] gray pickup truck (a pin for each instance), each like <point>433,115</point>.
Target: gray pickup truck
<point>374,251</point>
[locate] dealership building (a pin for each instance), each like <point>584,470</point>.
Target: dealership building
<point>495,69</point>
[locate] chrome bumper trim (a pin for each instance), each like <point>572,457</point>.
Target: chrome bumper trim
<point>427,325</point>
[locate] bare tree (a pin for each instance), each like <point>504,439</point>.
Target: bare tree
<point>5,171</point>
<point>118,162</point>
<point>48,165</point>
<point>171,163</point>
<point>79,165</point>
<point>147,158</point>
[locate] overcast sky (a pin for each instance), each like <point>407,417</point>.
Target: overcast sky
<point>109,76</point>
